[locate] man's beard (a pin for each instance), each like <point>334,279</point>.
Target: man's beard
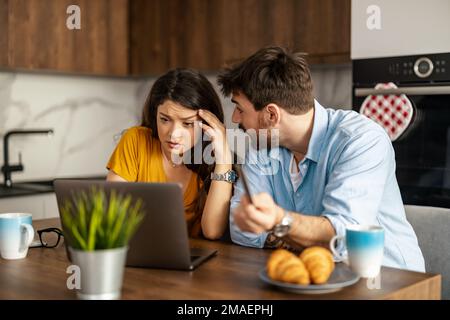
<point>263,138</point>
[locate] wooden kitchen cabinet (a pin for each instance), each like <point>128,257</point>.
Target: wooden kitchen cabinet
<point>323,30</point>
<point>38,37</point>
<point>205,34</point>
<point>148,37</point>
<point>3,33</point>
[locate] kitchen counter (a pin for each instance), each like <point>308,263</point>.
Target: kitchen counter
<point>28,188</point>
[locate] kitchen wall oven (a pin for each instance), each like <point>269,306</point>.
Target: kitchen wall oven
<point>410,97</point>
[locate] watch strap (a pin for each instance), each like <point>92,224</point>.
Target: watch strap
<point>229,176</point>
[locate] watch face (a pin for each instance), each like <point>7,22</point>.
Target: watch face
<point>280,230</point>
<point>231,176</point>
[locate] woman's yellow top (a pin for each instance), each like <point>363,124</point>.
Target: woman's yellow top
<point>138,158</point>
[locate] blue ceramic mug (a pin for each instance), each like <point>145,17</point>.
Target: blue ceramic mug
<point>16,234</point>
<point>365,245</point>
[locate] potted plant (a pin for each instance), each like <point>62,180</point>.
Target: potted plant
<point>97,227</point>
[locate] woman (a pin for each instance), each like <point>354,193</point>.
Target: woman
<point>180,105</point>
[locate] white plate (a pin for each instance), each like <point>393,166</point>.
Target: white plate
<point>341,277</point>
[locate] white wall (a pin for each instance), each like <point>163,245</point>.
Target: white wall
<point>408,27</point>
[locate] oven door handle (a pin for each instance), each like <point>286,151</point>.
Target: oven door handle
<point>429,90</point>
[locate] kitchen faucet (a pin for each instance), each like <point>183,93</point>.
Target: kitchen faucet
<point>7,168</point>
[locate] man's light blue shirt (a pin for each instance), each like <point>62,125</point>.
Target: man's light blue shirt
<point>348,177</point>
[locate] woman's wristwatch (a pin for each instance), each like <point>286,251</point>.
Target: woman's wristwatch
<point>229,176</point>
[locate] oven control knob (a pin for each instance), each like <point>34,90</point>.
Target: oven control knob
<point>423,67</point>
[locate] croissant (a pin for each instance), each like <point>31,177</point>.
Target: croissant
<point>319,263</point>
<point>275,259</point>
<point>287,267</point>
<point>293,271</point>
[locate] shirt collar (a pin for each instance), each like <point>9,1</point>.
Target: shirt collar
<point>320,126</point>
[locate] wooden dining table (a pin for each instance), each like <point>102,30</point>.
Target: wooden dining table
<point>232,274</point>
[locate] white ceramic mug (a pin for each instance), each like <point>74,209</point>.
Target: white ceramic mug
<point>16,234</point>
<point>365,246</point>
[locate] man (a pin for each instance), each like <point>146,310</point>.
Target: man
<point>333,167</point>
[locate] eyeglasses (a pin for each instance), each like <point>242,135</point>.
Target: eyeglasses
<point>49,237</point>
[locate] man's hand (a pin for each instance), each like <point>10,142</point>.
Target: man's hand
<point>259,217</point>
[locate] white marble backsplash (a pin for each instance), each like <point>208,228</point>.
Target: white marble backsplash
<point>88,114</point>
<point>85,114</point>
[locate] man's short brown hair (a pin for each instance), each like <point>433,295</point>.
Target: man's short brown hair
<point>272,75</point>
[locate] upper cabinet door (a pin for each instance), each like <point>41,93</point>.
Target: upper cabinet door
<point>39,38</point>
<point>3,33</point>
<point>323,29</point>
<point>206,34</point>
<point>181,33</point>
<point>386,28</point>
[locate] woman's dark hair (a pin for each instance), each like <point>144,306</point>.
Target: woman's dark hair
<point>272,75</point>
<point>192,90</point>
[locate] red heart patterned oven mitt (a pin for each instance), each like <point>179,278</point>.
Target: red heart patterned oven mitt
<point>393,112</point>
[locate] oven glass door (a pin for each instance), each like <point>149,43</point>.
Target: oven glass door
<point>423,150</point>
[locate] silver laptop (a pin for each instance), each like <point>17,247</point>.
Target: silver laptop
<point>162,239</point>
